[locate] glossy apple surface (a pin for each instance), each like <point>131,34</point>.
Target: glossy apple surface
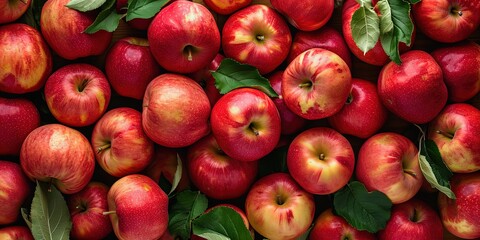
<point>226,7</point>
<point>16,233</point>
<point>13,10</point>
<point>15,188</point>
<point>307,15</point>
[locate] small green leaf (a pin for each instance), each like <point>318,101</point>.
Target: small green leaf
<point>26,217</point>
<point>386,24</point>
<point>401,20</point>
<point>365,27</point>
<point>85,5</point>
<point>363,210</point>
<point>108,19</point>
<point>186,206</point>
<point>232,74</point>
<point>49,214</point>
<point>222,223</point>
<point>389,43</point>
<point>178,175</point>
<point>144,8</point>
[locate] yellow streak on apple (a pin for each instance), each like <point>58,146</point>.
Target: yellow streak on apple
<point>147,188</point>
<point>235,114</point>
<point>59,141</point>
<point>100,99</point>
<point>462,226</point>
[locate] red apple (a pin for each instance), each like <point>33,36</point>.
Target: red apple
<point>246,124</point>
<point>316,84</point>
<point>447,20</point>
<point>15,188</point>
<point>363,113</point>
<point>278,208</point>
<point>217,175</point>
<point>320,160</point>
<point>25,58</point>
<point>307,15</point>
<point>414,90</point>
<point>16,233</point>
<point>413,219</point>
<point>86,210</point>
<point>226,7</point>
<point>60,155</point>
<point>207,81</point>
<point>388,162</point>
<point>77,94</point>
<point>257,35</point>
<point>456,131</point>
<point>175,111</point>
<point>460,65</point>
<point>184,37</point>
<point>18,117</point>
<point>138,208</point>
<point>121,145</point>
<point>13,10</point>
<point>130,66</point>
<point>461,216</point>
<point>328,226</point>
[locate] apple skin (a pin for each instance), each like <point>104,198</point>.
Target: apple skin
<point>326,37</point>
<point>86,209</point>
<point>460,65</point>
<point>130,66</point>
<point>257,35</point>
<point>26,59</point>
<point>278,208</point>
<point>415,90</point>
<point>388,162</point>
<point>77,94</point>
<point>461,216</point>
<point>207,81</point>
<point>15,188</point>
<point>328,226</point>
<point>10,11</point>
<point>176,111</point>
<point>141,208</point>
<point>18,117</point>
<point>447,21</point>
<point>226,7</point>
<point>217,175</point>
<point>456,131</point>
<point>413,219</point>
<point>307,15</point>
<point>246,124</point>
<point>121,145</point>
<point>63,29</point>
<point>184,37</point>
<point>58,154</point>
<point>316,84</point>
<point>16,233</point>
<point>363,114</point>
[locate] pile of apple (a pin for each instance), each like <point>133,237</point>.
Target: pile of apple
<point>106,119</point>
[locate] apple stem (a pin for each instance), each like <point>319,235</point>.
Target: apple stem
<point>254,130</point>
<point>446,134</point>
<point>457,12</point>
<point>410,172</point>
<point>260,37</point>
<point>101,148</point>
<point>322,156</point>
<point>24,1</point>
<point>305,84</point>
<point>109,212</point>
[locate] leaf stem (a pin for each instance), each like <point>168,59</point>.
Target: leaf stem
<point>109,212</point>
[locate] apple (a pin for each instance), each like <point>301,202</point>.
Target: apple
<point>321,160</point>
<point>184,37</point>
<point>316,84</point>
<point>278,208</point>
<point>121,145</point>
<point>307,15</point>
<point>26,60</point>
<point>77,94</point>
<point>60,155</point>
<point>13,10</point>
<point>363,113</point>
<point>246,124</point>
<point>460,65</point>
<point>226,7</point>
<point>15,188</point>
<point>329,226</point>
<point>413,219</point>
<point>447,21</point>
<point>207,81</point>
<point>136,23</point>
<point>326,37</point>
<point>138,208</point>
<point>414,90</point>
<point>456,131</point>
<point>176,111</point>
<point>15,233</point>
<point>256,35</point>
<point>130,66</point>
<point>388,162</point>
<point>86,210</point>
<point>18,117</point>
<point>217,175</point>
<point>461,216</point>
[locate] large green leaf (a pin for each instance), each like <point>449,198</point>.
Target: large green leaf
<point>221,223</point>
<point>85,5</point>
<point>402,21</point>
<point>365,26</point>
<point>144,8</point>
<point>108,19</point>
<point>186,206</point>
<point>386,23</point>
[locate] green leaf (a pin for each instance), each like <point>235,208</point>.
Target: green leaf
<point>365,27</point>
<point>85,5</point>
<point>144,8</point>
<point>389,43</point>
<point>26,217</point>
<point>178,175</point>
<point>186,206</point>
<point>108,19</point>
<point>401,20</point>
<point>221,223</point>
<point>49,213</point>
<point>363,210</point>
<point>232,74</point>
<point>386,23</point>
<point>413,1</point>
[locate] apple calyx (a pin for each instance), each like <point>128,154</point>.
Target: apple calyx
<point>83,84</point>
<point>101,148</point>
<point>109,212</point>
<point>280,199</point>
<point>414,217</point>
<point>82,207</point>
<point>446,134</point>
<point>253,129</point>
